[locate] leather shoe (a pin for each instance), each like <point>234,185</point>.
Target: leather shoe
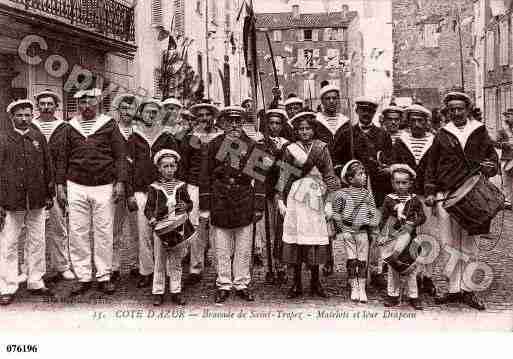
<point>416,303</point>
<point>471,299</point>
<point>107,287</point>
<point>295,292</point>
<point>145,281</point>
<point>6,299</point>
<point>81,288</point>
<point>115,276</point>
<point>45,292</point>
<point>318,290</point>
<point>391,301</point>
<point>178,298</point>
<point>448,298</point>
<point>222,296</point>
<point>158,299</point>
<point>193,278</point>
<point>245,294</point>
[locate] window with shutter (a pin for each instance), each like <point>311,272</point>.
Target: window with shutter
<point>327,34</point>
<point>156,79</point>
<point>300,35</point>
<point>315,35</point>
<point>430,35</point>
<point>341,36</point>
<point>179,17</point>
<point>308,89</point>
<point>212,8</point>
<point>279,65</point>
<point>70,104</point>
<point>504,42</point>
<point>490,46</point>
<point>277,35</point>
<point>156,12</point>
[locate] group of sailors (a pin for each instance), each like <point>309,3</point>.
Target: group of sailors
<point>190,180</point>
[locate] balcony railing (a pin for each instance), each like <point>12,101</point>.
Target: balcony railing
<point>107,17</point>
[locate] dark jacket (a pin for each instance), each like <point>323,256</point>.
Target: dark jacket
<point>449,165</point>
<point>226,188</point>
<point>413,211</point>
<point>26,170</point>
<point>366,148</point>
<point>56,140</point>
<point>323,133</point>
<point>193,152</point>
<point>95,160</point>
<point>143,170</point>
<point>273,154</point>
<point>156,205</point>
<point>403,154</point>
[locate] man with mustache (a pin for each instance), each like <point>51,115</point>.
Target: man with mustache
<point>125,106</point>
<point>234,203</point>
<point>93,165</point>
<point>147,139</point>
<point>460,148</point>
<point>172,120</point>
<point>53,129</point>
<point>194,149</point>
<point>27,188</point>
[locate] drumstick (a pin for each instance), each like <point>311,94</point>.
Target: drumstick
<point>444,199</point>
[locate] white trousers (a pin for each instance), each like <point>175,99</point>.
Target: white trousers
<point>34,249</point>
<point>91,206</point>
<point>458,243</point>
<point>199,243</point>
<point>429,229</point>
<point>234,242</point>
<point>57,237</point>
<point>145,233</point>
<point>125,237</point>
<point>394,283</point>
<point>356,244</point>
<point>169,262</point>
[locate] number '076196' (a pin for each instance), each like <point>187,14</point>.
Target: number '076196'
<point>25,348</point>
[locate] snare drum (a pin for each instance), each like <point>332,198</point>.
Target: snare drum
<point>475,204</point>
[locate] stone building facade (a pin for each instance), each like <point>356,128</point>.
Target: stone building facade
<point>310,48</point>
<point>426,61</point>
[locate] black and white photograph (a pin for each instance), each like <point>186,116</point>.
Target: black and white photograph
<point>276,165</point>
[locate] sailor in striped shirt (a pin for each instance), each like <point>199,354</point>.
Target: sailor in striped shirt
<point>53,129</point>
<point>355,216</point>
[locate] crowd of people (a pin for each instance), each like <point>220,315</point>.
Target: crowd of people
<point>193,180</point>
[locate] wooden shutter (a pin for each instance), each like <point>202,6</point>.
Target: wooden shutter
<point>157,15</point>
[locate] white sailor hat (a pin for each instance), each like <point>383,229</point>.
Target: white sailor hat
<point>456,95</point>
<point>47,93</point>
<point>402,167</point>
<point>346,167</point>
<point>122,97</point>
<point>301,115</point>
<point>149,100</point>
<point>366,100</point>
<point>417,109</point>
<point>213,108</point>
<point>392,108</point>
<point>17,103</point>
<point>165,153</point>
<point>95,92</point>
<point>277,112</point>
<point>328,88</point>
<point>293,100</point>
<point>172,101</point>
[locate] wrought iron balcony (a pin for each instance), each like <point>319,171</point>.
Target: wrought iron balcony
<point>108,17</point>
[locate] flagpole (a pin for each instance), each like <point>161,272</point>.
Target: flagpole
<point>206,51</point>
<point>462,69</point>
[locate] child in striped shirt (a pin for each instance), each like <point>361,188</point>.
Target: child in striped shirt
<point>356,218</point>
<point>168,199</point>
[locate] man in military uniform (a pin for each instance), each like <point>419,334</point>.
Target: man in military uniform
<point>390,119</point>
<point>234,201</point>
